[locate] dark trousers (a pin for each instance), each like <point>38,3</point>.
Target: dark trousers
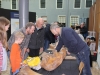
<point>34,52</point>
<point>84,57</point>
<point>46,44</point>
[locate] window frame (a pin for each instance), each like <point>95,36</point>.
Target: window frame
<point>11,5</point>
<point>36,17</point>
<point>40,4</point>
<point>87,7</point>
<point>1,3</point>
<point>62,4</point>
<point>74,4</point>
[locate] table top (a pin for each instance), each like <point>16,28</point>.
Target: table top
<point>68,67</point>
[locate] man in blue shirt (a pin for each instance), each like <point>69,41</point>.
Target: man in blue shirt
<point>70,39</point>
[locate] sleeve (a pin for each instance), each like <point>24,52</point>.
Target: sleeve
<point>1,57</point>
<point>60,44</point>
<point>42,38</point>
<point>27,41</point>
<point>69,36</point>
<point>13,57</point>
<point>11,41</point>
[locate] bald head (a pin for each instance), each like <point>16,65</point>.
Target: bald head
<point>39,22</point>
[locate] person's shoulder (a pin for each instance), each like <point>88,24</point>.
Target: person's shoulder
<point>67,28</point>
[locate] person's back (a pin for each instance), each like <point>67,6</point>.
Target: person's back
<point>15,55</point>
<point>73,42</point>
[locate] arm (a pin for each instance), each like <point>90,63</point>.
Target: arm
<point>42,41</point>
<point>60,44</point>
<point>71,39</point>
<point>27,39</point>
<point>25,46</point>
<point>42,38</point>
<point>11,41</point>
<point>1,57</point>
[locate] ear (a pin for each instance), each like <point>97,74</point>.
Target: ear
<point>28,28</point>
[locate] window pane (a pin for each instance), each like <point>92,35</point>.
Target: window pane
<point>61,19</point>
<point>88,3</point>
<point>59,3</point>
<point>0,4</point>
<point>77,4</point>
<point>74,20</point>
<point>42,3</point>
<point>13,4</point>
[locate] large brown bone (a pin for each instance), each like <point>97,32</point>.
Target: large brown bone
<point>52,61</point>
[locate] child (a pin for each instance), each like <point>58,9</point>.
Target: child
<point>4,26</point>
<point>15,55</point>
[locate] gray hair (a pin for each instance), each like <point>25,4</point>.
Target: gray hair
<point>54,26</point>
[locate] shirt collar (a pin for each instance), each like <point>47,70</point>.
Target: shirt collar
<point>61,32</point>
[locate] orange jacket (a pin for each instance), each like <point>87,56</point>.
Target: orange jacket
<point>15,57</point>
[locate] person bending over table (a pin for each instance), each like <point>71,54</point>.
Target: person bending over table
<point>70,39</point>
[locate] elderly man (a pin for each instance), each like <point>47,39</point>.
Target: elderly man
<point>37,39</point>
<point>70,39</point>
<point>27,31</point>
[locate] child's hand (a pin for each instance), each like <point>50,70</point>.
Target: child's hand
<point>28,50</point>
<point>22,64</point>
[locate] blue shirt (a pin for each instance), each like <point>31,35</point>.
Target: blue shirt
<point>70,39</point>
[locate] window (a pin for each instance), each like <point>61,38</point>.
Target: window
<point>77,4</point>
<point>74,20</point>
<point>42,3</point>
<point>44,18</point>
<point>0,3</point>
<point>14,4</point>
<point>59,3</point>
<point>88,3</point>
<point>36,17</point>
<point>62,20</point>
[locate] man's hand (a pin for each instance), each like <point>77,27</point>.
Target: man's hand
<point>68,53</point>
<point>28,50</point>
<point>23,52</point>
<point>41,50</point>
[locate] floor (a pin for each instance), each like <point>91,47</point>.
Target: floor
<point>95,69</point>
